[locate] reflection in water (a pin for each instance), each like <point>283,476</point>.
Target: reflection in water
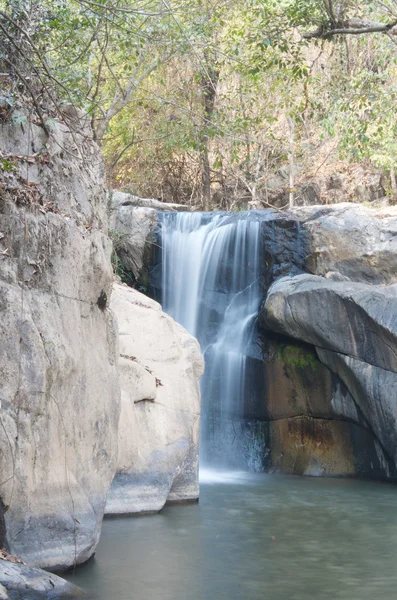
<point>254,537</point>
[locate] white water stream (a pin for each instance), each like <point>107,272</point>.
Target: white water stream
<point>211,284</point>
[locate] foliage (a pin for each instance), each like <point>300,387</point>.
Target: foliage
<point>182,94</point>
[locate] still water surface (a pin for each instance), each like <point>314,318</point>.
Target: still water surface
<point>254,537</point>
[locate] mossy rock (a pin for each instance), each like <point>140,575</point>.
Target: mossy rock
<point>298,357</point>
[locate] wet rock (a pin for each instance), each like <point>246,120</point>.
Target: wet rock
<point>374,391</point>
<point>306,445</point>
<point>314,425</point>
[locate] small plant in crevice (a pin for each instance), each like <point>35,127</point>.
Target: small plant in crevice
<point>125,274</point>
<point>7,165</point>
<point>119,239</point>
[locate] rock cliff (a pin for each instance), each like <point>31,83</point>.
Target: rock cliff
<point>59,389</point>
<point>62,437</point>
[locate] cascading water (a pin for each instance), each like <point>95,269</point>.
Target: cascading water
<point>212,285</point>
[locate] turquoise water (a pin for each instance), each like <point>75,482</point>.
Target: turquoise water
<point>254,537</point>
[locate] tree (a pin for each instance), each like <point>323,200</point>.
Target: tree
<point>202,101</point>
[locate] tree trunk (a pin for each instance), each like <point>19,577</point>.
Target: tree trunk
<point>393,184</point>
<point>209,82</point>
<point>291,162</point>
<point>205,177</point>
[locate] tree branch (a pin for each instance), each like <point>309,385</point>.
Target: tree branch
<point>353,27</point>
<point>120,99</point>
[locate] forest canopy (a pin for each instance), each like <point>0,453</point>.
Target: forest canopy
<point>211,102</point>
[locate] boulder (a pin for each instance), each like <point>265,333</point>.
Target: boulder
<point>133,223</point>
<point>351,242</point>
<point>59,392</point>
<point>160,368</point>
<point>353,327</point>
<point>351,318</point>
<point>20,582</point>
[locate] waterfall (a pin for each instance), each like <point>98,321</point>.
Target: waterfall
<point>212,285</point>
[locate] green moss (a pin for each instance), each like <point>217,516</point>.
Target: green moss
<point>297,357</point>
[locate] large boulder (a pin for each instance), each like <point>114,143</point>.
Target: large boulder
<point>160,367</point>
<point>355,319</point>
<point>353,327</point>
<point>59,390</point>
<point>351,242</point>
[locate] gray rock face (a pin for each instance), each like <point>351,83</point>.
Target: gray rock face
<point>134,229</point>
<point>354,319</point>
<point>20,582</point>
<point>59,390</point>
<point>160,367</point>
<point>351,242</point>
<point>133,222</point>
<point>353,327</point>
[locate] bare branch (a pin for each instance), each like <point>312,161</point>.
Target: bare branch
<point>352,27</point>
<point>121,99</point>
